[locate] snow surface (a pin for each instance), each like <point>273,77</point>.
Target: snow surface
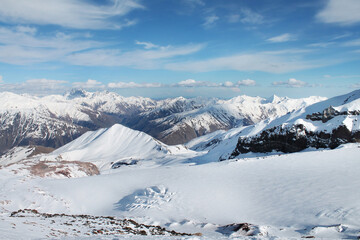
<point>313,193</point>
<point>286,196</point>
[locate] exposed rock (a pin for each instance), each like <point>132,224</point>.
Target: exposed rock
<point>97,225</point>
<point>65,168</point>
<point>329,113</point>
<point>239,229</point>
<point>294,139</point>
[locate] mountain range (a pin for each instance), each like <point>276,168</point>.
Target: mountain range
<point>55,120</point>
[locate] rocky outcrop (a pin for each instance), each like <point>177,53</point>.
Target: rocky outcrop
<point>294,139</point>
<point>329,113</point>
<point>94,226</point>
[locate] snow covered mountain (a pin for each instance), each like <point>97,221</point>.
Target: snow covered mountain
<point>55,120</point>
<point>325,124</point>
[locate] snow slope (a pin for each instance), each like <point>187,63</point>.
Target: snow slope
<point>116,144</point>
<point>289,196</point>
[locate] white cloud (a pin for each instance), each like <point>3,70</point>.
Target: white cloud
<point>67,13</point>
<point>26,29</point>
<point>228,84</point>
<point>210,21</point>
<point>134,85</point>
<point>187,82</point>
<point>193,83</point>
<point>21,45</point>
<point>282,38</point>
<point>147,45</point>
<point>1,79</point>
<point>246,16</point>
<point>41,86</point>
<point>273,62</point>
<point>343,12</point>
<point>90,83</point>
<point>25,46</point>
<point>292,82</point>
<point>249,16</point>
<point>246,82</point>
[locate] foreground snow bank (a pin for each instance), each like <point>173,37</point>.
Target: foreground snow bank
<point>312,193</point>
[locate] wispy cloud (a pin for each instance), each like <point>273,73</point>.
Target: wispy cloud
<point>292,82</point>
<point>352,43</point>
<point>245,16</point>
<point>188,83</point>
<point>286,37</point>
<point>340,12</point>
<point>194,3</point>
<point>249,16</point>
<point>41,86</point>
<point>355,85</point>
<point>22,45</point>
<point>141,59</point>
<point>68,13</point>
<point>273,62</point>
<point>134,85</point>
<point>1,79</point>
<point>321,44</point>
<point>147,45</point>
<point>210,21</point>
<point>246,82</point>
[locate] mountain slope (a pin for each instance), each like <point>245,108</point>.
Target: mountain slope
<point>116,146</point>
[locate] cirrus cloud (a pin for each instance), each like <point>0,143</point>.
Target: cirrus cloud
<point>272,62</point>
<point>68,13</point>
<point>286,37</point>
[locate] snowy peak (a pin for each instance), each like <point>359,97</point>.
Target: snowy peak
<point>274,99</point>
<point>117,144</point>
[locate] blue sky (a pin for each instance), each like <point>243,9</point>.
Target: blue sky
<point>167,48</point>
